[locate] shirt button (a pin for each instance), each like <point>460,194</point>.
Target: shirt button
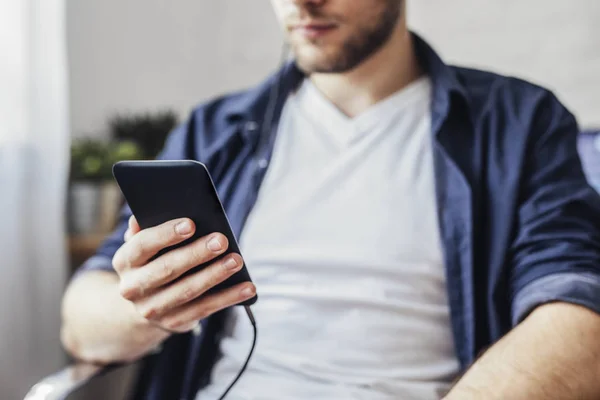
<point>262,163</point>
<point>197,330</point>
<point>251,126</point>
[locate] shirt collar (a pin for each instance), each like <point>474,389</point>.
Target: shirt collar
<point>251,106</point>
<point>446,85</point>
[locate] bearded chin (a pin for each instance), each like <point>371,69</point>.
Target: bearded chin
<point>355,50</point>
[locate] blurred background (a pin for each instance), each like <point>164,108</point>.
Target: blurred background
<point>85,83</point>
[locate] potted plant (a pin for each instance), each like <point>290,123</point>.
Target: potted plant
<point>148,130</point>
<point>94,198</point>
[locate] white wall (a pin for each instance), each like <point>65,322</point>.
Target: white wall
<point>552,42</point>
<point>146,54</point>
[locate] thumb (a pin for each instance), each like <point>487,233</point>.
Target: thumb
<point>133,228</point>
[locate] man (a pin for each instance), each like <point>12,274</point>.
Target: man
<point>413,230</point>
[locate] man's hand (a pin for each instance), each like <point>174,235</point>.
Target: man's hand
<point>149,285</point>
<point>111,317</point>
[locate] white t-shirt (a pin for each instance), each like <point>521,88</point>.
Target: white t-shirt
<point>344,247</point>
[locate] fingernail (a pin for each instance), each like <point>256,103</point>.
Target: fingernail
<point>214,244</point>
<point>231,264</point>
<point>248,292</point>
<point>183,228</point>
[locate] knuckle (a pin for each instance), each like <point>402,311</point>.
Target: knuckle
<point>202,311</point>
<point>198,253</point>
<point>173,324</point>
<point>154,276</point>
<point>144,283</point>
<point>167,271</point>
<point>128,292</point>
<point>187,294</point>
<point>150,311</point>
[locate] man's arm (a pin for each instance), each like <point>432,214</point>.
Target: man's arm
<point>553,354</point>
<point>100,326</point>
<point>553,351</point>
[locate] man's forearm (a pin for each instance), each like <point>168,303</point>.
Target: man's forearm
<point>100,326</point>
<point>554,354</point>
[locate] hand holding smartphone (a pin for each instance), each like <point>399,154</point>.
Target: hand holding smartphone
<point>181,262</point>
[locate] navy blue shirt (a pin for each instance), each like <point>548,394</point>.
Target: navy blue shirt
<point>520,224</point>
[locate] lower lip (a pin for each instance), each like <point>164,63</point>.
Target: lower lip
<point>313,32</point>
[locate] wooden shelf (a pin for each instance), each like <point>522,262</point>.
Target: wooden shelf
<point>82,247</point>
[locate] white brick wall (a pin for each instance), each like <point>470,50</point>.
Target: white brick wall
<point>143,54</point>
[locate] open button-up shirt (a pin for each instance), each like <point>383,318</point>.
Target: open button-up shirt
<point>520,224</point>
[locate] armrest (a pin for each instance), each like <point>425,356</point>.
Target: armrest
<point>63,383</point>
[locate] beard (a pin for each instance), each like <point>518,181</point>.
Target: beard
<point>367,39</point>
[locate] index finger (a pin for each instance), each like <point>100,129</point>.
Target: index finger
<point>148,242</point>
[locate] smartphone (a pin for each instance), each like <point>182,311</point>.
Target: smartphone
<point>160,191</point>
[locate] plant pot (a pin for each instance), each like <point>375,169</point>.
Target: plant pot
<point>110,204</point>
<point>83,207</point>
<point>93,207</point>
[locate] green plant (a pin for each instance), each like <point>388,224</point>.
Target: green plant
<point>92,159</point>
<point>148,130</point>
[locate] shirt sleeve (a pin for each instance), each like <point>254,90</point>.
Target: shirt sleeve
<point>556,252</point>
<point>175,149</point>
